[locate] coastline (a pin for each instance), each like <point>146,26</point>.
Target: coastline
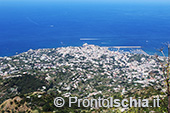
<point>134,50</point>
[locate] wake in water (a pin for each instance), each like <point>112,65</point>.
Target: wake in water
<point>32,21</point>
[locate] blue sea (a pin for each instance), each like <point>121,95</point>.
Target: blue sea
<point>28,25</point>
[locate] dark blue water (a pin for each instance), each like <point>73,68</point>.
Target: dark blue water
<point>33,25</point>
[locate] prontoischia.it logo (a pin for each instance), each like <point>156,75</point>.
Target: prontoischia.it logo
<point>109,102</point>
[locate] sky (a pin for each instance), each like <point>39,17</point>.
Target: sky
<point>125,1</point>
<point>18,3</point>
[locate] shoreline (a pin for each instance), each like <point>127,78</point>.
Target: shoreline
<point>131,50</point>
<point>143,51</point>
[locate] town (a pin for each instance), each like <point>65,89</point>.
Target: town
<point>84,71</point>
